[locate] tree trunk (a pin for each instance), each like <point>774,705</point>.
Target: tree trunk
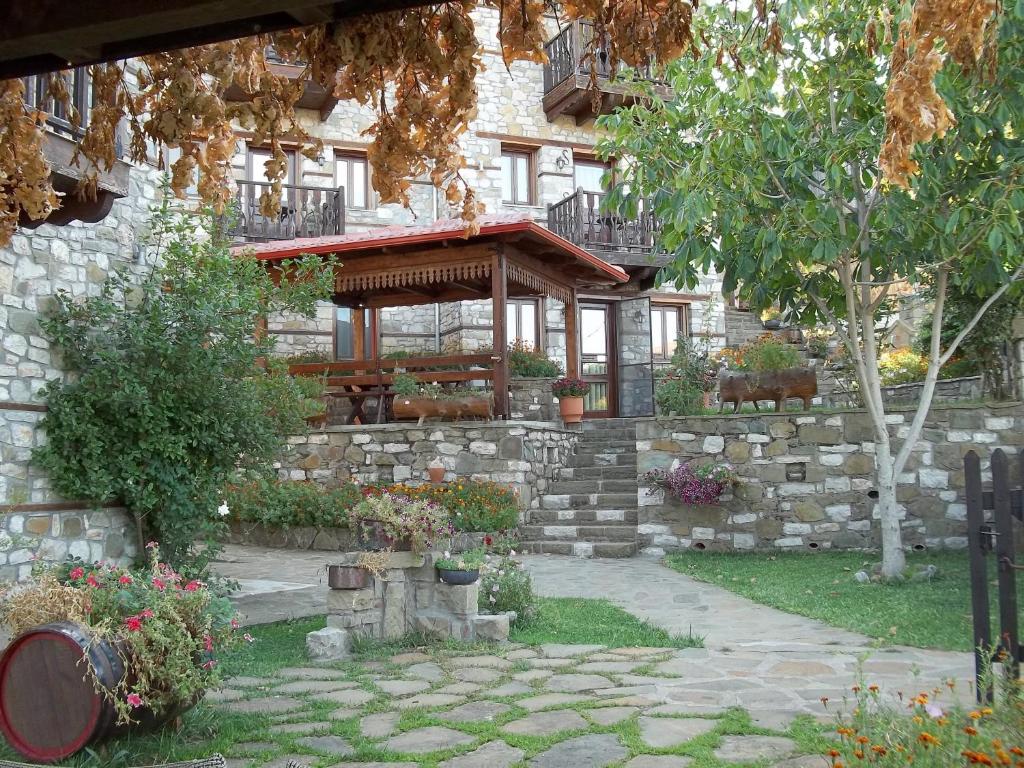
<point>894,561</point>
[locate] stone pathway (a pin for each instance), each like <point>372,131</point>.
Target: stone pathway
<point>570,717</point>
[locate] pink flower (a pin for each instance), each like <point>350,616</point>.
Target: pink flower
<point>209,664</point>
<point>235,624</point>
<point>152,545</point>
<point>192,586</point>
<point>159,584</point>
<point>76,573</point>
<point>91,581</point>
<point>208,643</point>
<point>134,623</point>
<point>147,613</point>
<point>125,579</point>
<point>134,699</point>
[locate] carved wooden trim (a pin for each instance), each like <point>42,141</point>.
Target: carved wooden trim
<point>526,277</point>
<point>410,276</point>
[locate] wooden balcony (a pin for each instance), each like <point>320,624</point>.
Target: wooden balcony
<point>62,137</point>
<point>567,76</point>
<point>305,212</point>
<point>314,96</point>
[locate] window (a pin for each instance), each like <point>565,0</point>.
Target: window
<point>521,317</point>
<point>668,323</point>
<point>588,175</point>
<point>344,334</point>
<point>517,176</point>
<point>257,168</point>
<point>350,172</point>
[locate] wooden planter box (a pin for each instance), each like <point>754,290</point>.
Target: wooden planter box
<point>455,409</point>
<point>740,387</point>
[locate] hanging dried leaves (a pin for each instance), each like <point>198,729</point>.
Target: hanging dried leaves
<point>915,112</point>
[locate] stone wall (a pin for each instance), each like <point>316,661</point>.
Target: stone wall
<point>525,455</point>
<point>806,478</point>
<point>531,399</point>
<point>967,388</point>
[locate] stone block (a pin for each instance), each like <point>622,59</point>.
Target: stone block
<point>813,434</point>
<point>782,429</point>
<point>348,600</point>
<point>494,628</point>
<point>459,600</point>
<point>329,644</point>
<point>394,610</point>
<point>737,452</point>
<point>808,511</point>
<point>714,444</point>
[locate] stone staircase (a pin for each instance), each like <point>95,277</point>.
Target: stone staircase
<point>591,511</point>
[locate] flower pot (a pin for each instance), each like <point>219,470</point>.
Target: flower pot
<point>436,474</point>
<point>458,578</point>
<point>571,409</point>
<point>772,325</point>
<point>347,577</point>
<point>372,537</point>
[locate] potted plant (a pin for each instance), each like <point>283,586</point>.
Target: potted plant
<point>771,318</point>
<point>435,470</point>
<point>460,569</point>
<point>692,483</point>
<point>570,393</point>
<point>394,521</point>
<point>415,401</point>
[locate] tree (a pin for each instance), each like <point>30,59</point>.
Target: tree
<point>769,172</point>
<point>168,396</point>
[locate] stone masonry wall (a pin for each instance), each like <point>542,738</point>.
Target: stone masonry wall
<point>806,478</point>
<point>531,399</point>
<point>525,455</point>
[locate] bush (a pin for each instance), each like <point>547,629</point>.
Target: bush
<point>902,366</point>
<point>474,506</point>
<point>292,503</point>
<point>769,353</point>
<point>681,387</point>
<point>693,483</point>
<point>524,360</point>
<point>506,586</point>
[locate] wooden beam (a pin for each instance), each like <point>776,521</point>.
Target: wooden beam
<point>572,358</point>
<point>358,333</point>
<point>499,302</point>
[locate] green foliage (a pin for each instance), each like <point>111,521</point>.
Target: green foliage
<point>524,360</point>
<point>681,386</point>
<point>506,586</point>
<point>291,503</point>
<point>405,384</point>
<point>902,366</point>
<point>397,518</point>
<point>167,399</point>
<point>768,353</point>
<point>470,560</point>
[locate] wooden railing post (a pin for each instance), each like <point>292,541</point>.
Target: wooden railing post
<point>979,575</point>
<point>1003,523</point>
<point>500,334</point>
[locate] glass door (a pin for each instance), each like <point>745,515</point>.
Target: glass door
<point>597,363</point>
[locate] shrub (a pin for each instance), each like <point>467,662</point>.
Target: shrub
<point>769,353</point>
<point>691,373</point>
<point>400,518</point>
<point>474,506</point>
<point>405,384</point>
<point>506,586</point>
<point>292,503</point>
<point>524,360</point>
<point>569,387</point>
<point>693,483</point>
<point>902,366</point>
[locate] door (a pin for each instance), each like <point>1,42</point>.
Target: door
<point>597,359</point>
<point>633,349</point>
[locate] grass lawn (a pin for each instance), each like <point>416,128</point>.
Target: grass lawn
<point>935,614</point>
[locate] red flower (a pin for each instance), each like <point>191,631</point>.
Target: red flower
<point>160,584</point>
<point>147,613</point>
<point>76,573</point>
<point>192,586</point>
<point>134,623</point>
<point>91,581</point>
<point>125,579</point>
<point>488,541</point>
<point>208,643</point>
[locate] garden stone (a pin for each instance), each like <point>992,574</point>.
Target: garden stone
<point>861,577</point>
<point>353,698</point>
<point>611,715</point>
<point>550,663</point>
<point>773,719</point>
<point>546,723</point>
<point>402,687</point>
<point>576,683</point>
<point>344,713</point>
<point>641,652</point>
<point>475,711</point>
<point>493,754</point>
<point>520,654</point>
<point>663,732</point>
<point>316,686</point>
<point>268,705</point>
<point>508,689</point>
<point>532,674</point>
<point>332,745</point>
<point>658,761</point>
<point>459,689</point>
<point>594,751</point>
<point>224,695</point>
<point>301,728</point>
<point>428,671</point>
<point>748,749</point>
<point>413,657</point>
<point>252,747</point>
<point>244,681</point>
<point>476,675</point>
<point>313,673</point>
<point>805,761</point>
<point>429,739</point>
<point>329,644</point>
<point>563,651</point>
<point>545,700</point>
<point>613,667</point>
<point>379,726</point>
<point>429,700</point>
<point>495,662</point>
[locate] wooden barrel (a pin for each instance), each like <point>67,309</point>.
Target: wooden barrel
<point>49,708</point>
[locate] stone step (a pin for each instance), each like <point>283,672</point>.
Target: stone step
<point>592,458</point>
<point>581,548</point>
<point>579,533</point>
<point>609,472</point>
<point>600,425</point>
<point>583,516</point>
<point>595,485</point>
<point>613,433</point>
<point>588,500</point>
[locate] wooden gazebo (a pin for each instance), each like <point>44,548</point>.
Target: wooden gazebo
<point>511,256</point>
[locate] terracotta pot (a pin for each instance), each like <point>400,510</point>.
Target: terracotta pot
<point>571,409</point>
<point>436,474</point>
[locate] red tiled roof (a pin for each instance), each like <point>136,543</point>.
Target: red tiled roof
<point>442,229</point>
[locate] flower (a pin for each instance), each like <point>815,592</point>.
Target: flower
<point>493,599</point>
<point>152,545</point>
<point>76,573</point>
<point>192,586</point>
<point>933,710</point>
<point>134,700</point>
<point>234,624</point>
<point>208,643</point>
<point>91,581</point>
<point>147,613</point>
<point>125,579</point>
<point>249,638</point>
<point>134,623</point>
<point>159,584</point>
<point>494,588</point>
<point>223,510</point>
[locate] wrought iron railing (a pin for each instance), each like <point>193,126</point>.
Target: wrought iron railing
<point>582,219</point>
<point>304,212</point>
<point>571,51</point>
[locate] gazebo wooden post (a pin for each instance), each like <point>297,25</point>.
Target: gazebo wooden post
<point>359,333</point>
<point>572,357</point>
<point>499,300</point>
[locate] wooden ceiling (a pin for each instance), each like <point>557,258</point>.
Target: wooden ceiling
<point>44,35</point>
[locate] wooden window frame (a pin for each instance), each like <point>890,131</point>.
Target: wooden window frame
<point>589,159</point>
<point>538,328</point>
<point>367,187</point>
<point>682,312</point>
<point>530,153</point>
<point>293,165</point>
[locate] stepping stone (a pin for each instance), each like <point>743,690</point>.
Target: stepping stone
<point>532,674</point>
<point>224,695</point>
<point>577,683</point>
<point>426,671</point>
<point>493,754</point>
<point>476,675</point>
<point>508,689</point>
<point>414,657</point>
<point>316,686</point>
<point>429,700</point>
<point>611,715</point>
<point>344,713</point>
<point>352,698</point>
<point>379,726</point>
<point>302,728</point>
<point>313,673</point>
<point>268,705</point>
<point>475,711</point>
<point>748,749</point>
<point>402,687</point>
<point>550,663</point>
<point>546,723</point>
<point>560,651</point>
<point>236,762</point>
<point>545,700</point>
<point>378,765</point>
<point>805,761</point>
<point>520,654</point>
<point>685,710</point>
<point>640,652</point>
<point>658,761</point>
<point>331,745</point>
<point>429,739</point>
<point>593,751</point>
<point>251,747</point>
<point>460,689</point>
<point>285,760</point>
<point>495,662</point>
<point>802,669</point>
<point>248,681</point>
<point>662,732</point>
<point>614,667</point>
<point>632,701</point>
<point>773,720</point>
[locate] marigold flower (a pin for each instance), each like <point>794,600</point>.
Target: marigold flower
<point>926,738</point>
<point>873,688</point>
<point>971,730</point>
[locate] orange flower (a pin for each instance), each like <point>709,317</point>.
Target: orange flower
<point>971,730</point>
<point>926,738</point>
<point>873,688</point>
<point>976,758</point>
<point>879,750</point>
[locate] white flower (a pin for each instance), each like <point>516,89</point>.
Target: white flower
<point>511,553</point>
<point>501,573</point>
<point>494,588</point>
<point>223,510</point>
<point>492,599</point>
<point>447,554</point>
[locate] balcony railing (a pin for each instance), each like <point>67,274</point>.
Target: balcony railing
<point>582,219</point>
<point>567,56</point>
<point>305,212</point>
